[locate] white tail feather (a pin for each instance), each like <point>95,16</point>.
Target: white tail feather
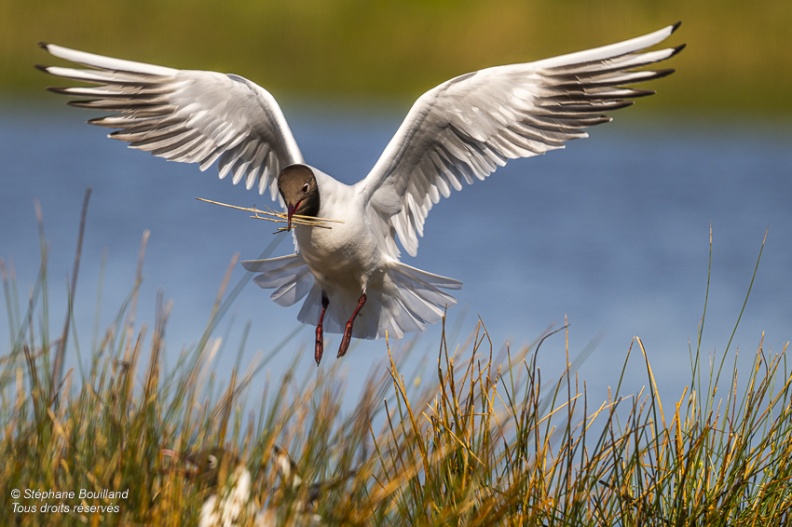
<point>288,275</point>
<point>408,300</point>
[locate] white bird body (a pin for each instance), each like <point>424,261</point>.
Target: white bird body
<point>347,255</point>
<point>351,258</point>
<point>455,133</point>
<point>236,500</point>
<point>234,504</point>
<point>346,259</point>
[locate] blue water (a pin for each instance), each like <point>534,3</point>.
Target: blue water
<point>612,233</point>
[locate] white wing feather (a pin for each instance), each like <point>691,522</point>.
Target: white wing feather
<point>188,116</point>
<point>465,128</point>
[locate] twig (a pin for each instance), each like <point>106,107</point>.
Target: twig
<point>278,217</point>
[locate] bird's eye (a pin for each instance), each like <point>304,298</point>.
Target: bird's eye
<point>305,187</point>
<point>212,461</point>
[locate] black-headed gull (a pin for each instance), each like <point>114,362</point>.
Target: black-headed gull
<point>459,131</point>
<point>234,498</point>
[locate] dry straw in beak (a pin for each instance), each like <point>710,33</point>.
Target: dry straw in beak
<point>279,217</point>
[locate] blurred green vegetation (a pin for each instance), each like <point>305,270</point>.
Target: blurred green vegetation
<point>738,57</point>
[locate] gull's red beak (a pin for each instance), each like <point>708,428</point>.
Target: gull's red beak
<point>290,211</point>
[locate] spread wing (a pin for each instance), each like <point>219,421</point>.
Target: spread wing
<point>465,128</point>
<point>188,116</point>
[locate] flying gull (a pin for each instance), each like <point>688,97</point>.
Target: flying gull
<point>350,274</point>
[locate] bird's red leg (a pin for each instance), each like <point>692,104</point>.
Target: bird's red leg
<point>319,350</point>
<point>348,329</point>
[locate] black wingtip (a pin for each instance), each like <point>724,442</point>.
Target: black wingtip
<point>58,89</point>
<point>659,74</point>
<point>641,93</point>
<point>674,27</point>
<point>45,46</point>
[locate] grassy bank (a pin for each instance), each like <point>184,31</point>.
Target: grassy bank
<point>737,57</point>
<point>488,441</point>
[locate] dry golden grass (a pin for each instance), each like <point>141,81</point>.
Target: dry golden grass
<point>279,217</point>
<point>488,441</point>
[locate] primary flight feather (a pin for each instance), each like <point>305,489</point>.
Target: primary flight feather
<point>458,132</point>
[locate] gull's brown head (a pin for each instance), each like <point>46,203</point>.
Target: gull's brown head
<point>207,466</point>
<point>299,190</point>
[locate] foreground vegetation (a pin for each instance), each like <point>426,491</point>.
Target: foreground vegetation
<point>489,441</point>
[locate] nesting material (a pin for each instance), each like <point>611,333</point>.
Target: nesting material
<point>279,217</point>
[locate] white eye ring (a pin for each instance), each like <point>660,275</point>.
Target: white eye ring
<point>305,187</point>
